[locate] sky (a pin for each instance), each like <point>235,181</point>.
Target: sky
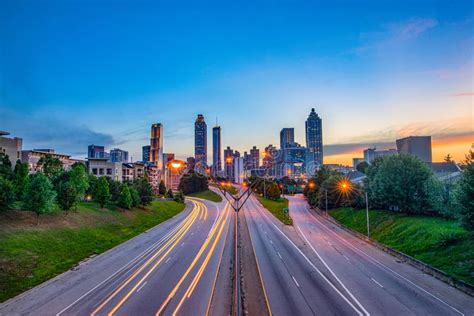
<point>74,73</point>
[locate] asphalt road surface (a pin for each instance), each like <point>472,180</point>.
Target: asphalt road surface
<point>315,267</point>
<point>171,269</point>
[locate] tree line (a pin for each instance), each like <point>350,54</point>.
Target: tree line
<point>52,185</point>
<point>399,183</point>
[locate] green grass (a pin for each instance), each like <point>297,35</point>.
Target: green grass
<point>436,241</point>
<point>276,208</point>
<point>231,189</point>
<point>31,254</point>
<point>207,195</point>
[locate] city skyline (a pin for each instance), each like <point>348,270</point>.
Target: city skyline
<point>395,73</point>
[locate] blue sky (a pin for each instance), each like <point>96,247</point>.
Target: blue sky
<point>74,73</point>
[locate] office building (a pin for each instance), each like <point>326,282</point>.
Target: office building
<point>174,172</point>
<point>356,161</point>
<point>287,137</point>
<point>118,155</point>
<point>370,154</point>
<point>167,158</point>
<point>102,167</point>
<point>239,170</point>
<point>32,157</point>
<point>146,153</point>
<point>94,151</point>
<point>11,147</point>
<point>254,158</point>
<point>419,146</point>
<point>229,163</point>
<point>156,145</point>
<point>216,151</point>
<point>191,163</point>
<point>314,140</point>
<point>200,143</point>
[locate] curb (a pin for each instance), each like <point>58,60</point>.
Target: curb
<point>426,268</point>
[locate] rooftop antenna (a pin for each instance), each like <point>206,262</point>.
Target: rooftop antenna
<point>216,122</point>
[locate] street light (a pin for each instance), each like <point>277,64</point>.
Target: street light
<point>345,186</point>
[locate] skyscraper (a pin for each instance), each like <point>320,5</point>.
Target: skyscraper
<point>314,141</point>
<point>216,150</point>
<point>254,158</point>
<point>200,143</point>
<point>118,155</point>
<point>146,153</point>
<point>287,137</point>
<point>229,162</point>
<point>156,145</point>
<point>94,151</point>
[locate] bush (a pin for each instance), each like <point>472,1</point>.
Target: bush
<point>179,197</point>
<point>162,188</point>
<point>7,194</point>
<point>169,194</point>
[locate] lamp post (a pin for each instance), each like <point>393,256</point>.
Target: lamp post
<point>346,186</point>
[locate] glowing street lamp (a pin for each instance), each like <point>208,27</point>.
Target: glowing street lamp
<point>311,185</point>
<point>176,165</point>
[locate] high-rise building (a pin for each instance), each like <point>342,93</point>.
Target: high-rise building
<point>229,162</point>
<point>11,147</point>
<point>419,146</point>
<point>156,145</point>
<point>254,158</point>
<point>216,150</point>
<point>118,155</point>
<point>239,171</point>
<point>94,151</point>
<point>287,137</point>
<point>314,141</point>
<point>200,143</point>
<point>146,153</point>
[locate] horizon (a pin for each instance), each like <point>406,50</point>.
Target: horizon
<point>102,76</point>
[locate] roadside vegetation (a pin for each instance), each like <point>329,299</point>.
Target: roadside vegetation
<point>411,209</point>
<point>276,207</point>
<point>31,254</point>
<point>442,243</point>
<point>207,195</point>
<point>196,185</point>
<point>52,219</point>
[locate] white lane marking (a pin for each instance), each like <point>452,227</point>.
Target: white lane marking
<point>377,282</point>
<point>313,266</point>
<point>296,282</point>
<point>331,271</point>
<point>279,255</point>
<point>271,241</point>
<point>167,260</point>
<point>386,267</point>
<point>141,286</point>
<point>346,257</point>
<point>182,244</point>
<point>136,259</point>
<point>192,233</point>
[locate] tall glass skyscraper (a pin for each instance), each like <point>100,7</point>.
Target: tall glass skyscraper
<point>156,145</point>
<point>200,143</point>
<point>314,141</point>
<point>287,137</point>
<point>216,150</point>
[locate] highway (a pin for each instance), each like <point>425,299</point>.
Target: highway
<point>171,269</point>
<point>315,267</point>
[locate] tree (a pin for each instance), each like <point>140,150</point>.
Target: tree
<point>40,196</point>
<point>5,166</point>
<point>135,196</point>
<point>50,166</point>
<point>145,191</point>
<point>67,195</point>
<point>20,179</point>
<point>102,195</point>
<point>79,179</point>
<point>7,194</point>
<point>125,199</point>
<point>401,181</point>
<point>91,191</point>
<point>179,197</point>
<point>115,188</point>
<point>362,167</point>
<point>448,158</point>
<point>464,195</point>
<point>169,194</point>
<point>193,183</point>
<point>273,191</point>
<point>162,188</point>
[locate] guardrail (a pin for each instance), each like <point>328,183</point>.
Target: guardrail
<point>426,268</point>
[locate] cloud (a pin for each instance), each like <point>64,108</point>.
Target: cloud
<point>395,33</point>
<point>463,94</point>
<point>444,131</point>
<point>41,131</point>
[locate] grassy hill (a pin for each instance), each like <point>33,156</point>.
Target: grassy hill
<point>31,254</point>
<point>207,195</point>
<point>276,208</point>
<point>436,241</point>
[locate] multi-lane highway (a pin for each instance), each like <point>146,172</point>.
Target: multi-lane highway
<point>171,269</point>
<point>315,267</point>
